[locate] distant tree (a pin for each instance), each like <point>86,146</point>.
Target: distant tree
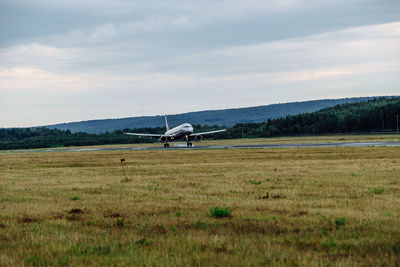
<point>273,130</point>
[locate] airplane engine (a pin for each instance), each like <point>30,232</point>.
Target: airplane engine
<point>163,139</point>
<point>198,138</point>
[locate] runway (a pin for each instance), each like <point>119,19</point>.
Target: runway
<point>254,146</point>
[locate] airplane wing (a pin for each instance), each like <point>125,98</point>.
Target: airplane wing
<point>143,134</point>
<point>210,132</point>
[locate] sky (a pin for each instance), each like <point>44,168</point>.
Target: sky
<point>64,61</point>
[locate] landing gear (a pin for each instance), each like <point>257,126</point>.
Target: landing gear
<point>166,145</point>
<point>189,144</point>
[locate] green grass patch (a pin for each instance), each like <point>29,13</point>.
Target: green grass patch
<point>178,214</point>
<point>340,222</point>
<point>255,182</point>
<point>377,190</point>
<point>218,212</point>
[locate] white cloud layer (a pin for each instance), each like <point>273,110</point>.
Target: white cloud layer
<point>192,57</point>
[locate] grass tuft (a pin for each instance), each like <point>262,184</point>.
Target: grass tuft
<point>27,219</point>
<point>143,242</point>
<point>218,212</point>
<point>255,182</point>
<point>329,244</point>
<point>126,180</point>
<point>35,260</point>
<point>75,211</point>
<point>377,190</point>
<point>200,225</point>
<point>340,222</point>
<point>178,214</point>
<point>120,223</point>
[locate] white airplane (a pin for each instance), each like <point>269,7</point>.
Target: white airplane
<point>181,132</point>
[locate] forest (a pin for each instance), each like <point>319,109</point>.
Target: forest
<point>376,115</point>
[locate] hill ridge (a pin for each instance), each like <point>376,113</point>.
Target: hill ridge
<point>220,117</point>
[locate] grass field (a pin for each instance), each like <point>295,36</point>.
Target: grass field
<point>311,206</point>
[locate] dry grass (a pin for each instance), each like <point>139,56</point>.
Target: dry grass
<point>315,206</point>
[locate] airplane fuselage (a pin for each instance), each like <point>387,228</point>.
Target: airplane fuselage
<point>182,131</point>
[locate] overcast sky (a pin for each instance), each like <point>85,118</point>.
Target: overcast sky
<point>74,60</point>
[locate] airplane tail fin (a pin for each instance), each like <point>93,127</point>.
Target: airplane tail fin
<point>166,123</point>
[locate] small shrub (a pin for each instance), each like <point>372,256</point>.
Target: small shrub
<point>98,250</point>
<point>74,198</point>
<point>340,222</point>
<point>63,261</point>
<point>120,223</point>
<point>27,219</point>
<point>218,212</point>
<point>278,196</point>
<point>152,186</point>
<point>126,180</point>
<point>200,225</point>
<point>75,211</point>
<point>178,214</point>
<point>329,244</point>
<point>396,247</point>
<point>255,182</point>
<point>35,260</point>
<point>143,242</point>
<point>377,190</point>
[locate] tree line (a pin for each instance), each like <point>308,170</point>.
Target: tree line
<point>41,137</point>
<point>373,115</point>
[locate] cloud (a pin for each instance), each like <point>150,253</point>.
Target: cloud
<point>33,55</point>
<point>27,79</point>
<point>33,49</point>
<point>358,45</point>
<point>110,33</point>
<point>122,5</point>
<point>103,32</point>
<point>98,35</point>
<point>94,59</point>
<point>157,23</point>
<point>355,46</point>
<point>337,72</point>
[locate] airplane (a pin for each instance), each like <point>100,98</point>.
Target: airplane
<point>180,132</point>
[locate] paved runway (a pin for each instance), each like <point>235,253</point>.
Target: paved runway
<point>180,146</point>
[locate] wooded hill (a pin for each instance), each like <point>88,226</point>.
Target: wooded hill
<point>377,115</point>
<point>373,115</point>
<point>226,117</point>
